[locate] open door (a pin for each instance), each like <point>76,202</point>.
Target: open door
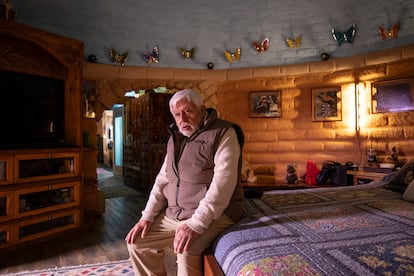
<point>118,143</point>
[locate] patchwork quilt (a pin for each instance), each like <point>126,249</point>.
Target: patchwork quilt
<point>353,230</point>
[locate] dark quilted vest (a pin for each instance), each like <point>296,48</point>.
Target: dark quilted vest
<point>190,168</point>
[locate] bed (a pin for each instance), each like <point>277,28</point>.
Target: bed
<point>350,230</point>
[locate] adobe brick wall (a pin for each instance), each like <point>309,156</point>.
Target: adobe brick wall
<point>293,138</point>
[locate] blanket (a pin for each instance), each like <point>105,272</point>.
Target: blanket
<point>351,230</point>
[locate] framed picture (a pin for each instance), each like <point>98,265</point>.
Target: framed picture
<point>393,96</point>
<point>326,104</point>
<point>265,104</point>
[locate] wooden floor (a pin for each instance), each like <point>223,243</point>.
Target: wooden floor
<point>101,241</point>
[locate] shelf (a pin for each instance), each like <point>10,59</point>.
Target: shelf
<point>45,166</point>
<point>40,194</point>
<point>5,236</point>
<point>5,206</point>
<point>45,198</point>
<point>47,225</point>
<point>362,177</point>
<point>6,170</point>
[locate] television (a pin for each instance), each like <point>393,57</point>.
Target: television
<point>32,111</point>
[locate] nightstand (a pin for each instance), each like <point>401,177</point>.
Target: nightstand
<point>362,177</point>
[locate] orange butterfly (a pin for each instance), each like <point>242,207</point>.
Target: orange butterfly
<point>261,46</point>
<point>294,43</point>
<point>390,33</point>
<point>233,56</point>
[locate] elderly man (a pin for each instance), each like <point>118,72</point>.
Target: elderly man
<point>197,193</point>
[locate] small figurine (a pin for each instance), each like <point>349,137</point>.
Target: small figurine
<point>247,172</point>
<point>291,175</point>
<point>6,11</point>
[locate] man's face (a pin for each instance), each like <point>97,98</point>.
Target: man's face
<point>187,116</point>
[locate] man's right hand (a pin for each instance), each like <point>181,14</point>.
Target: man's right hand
<point>140,228</point>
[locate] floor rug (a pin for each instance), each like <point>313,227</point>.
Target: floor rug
<point>103,269</point>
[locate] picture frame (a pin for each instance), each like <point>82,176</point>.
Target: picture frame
<point>392,96</point>
<point>265,104</point>
<point>326,104</point>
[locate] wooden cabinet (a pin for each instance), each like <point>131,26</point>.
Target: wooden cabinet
<point>148,118</point>
<point>6,200</point>
<point>46,197</point>
<point>42,196</point>
<point>6,170</point>
<point>361,177</point>
<point>41,171</point>
<point>45,166</point>
<point>5,235</point>
<point>46,225</point>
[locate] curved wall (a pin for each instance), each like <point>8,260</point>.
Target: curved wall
<point>213,26</point>
<point>293,138</point>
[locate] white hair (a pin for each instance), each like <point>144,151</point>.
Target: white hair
<point>188,94</point>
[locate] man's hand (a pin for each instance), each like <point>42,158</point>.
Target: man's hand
<point>141,227</point>
<point>183,238</point>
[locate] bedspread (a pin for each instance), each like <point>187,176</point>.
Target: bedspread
<point>352,230</point>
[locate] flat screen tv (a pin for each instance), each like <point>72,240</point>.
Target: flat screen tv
<point>32,111</point>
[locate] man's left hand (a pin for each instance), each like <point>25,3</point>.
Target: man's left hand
<point>183,238</point>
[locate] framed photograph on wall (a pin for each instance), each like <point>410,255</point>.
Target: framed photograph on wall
<point>265,104</point>
<point>326,104</point>
<point>393,96</point>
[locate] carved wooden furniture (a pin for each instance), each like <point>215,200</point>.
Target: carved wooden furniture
<point>144,150</point>
<point>41,187</point>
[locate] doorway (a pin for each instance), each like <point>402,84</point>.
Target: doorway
<point>118,134</point>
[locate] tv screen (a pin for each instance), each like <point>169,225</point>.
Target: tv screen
<point>32,111</point>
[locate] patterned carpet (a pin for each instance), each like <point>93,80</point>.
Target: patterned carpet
<point>104,269</point>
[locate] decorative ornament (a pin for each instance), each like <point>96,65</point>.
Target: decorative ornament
<point>187,53</point>
<point>294,43</point>
<point>261,46</point>
<point>92,59</point>
<point>231,56</point>
<point>210,65</point>
<point>389,33</point>
<point>117,57</point>
<point>324,56</point>
<point>151,57</point>
<point>347,36</point>
<point>7,12</point>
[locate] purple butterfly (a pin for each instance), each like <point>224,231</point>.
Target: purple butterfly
<point>153,57</point>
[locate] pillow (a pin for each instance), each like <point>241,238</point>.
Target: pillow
<point>265,170</point>
<point>402,178</point>
<point>409,192</point>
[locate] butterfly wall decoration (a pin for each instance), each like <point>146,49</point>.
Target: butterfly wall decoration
<point>389,33</point>
<point>117,57</point>
<point>294,43</point>
<point>347,36</point>
<point>187,53</point>
<point>232,56</point>
<point>261,46</point>
<point>151,57</point>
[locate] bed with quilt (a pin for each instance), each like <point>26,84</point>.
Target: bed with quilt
<point>350,230</point>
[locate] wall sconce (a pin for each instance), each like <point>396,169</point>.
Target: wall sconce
<point>357,106</point>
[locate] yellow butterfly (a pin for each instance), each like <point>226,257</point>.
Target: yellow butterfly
<point>187,53</point>
<point>233,56</point>
<point>117,57</point>
<point>294,43</point>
